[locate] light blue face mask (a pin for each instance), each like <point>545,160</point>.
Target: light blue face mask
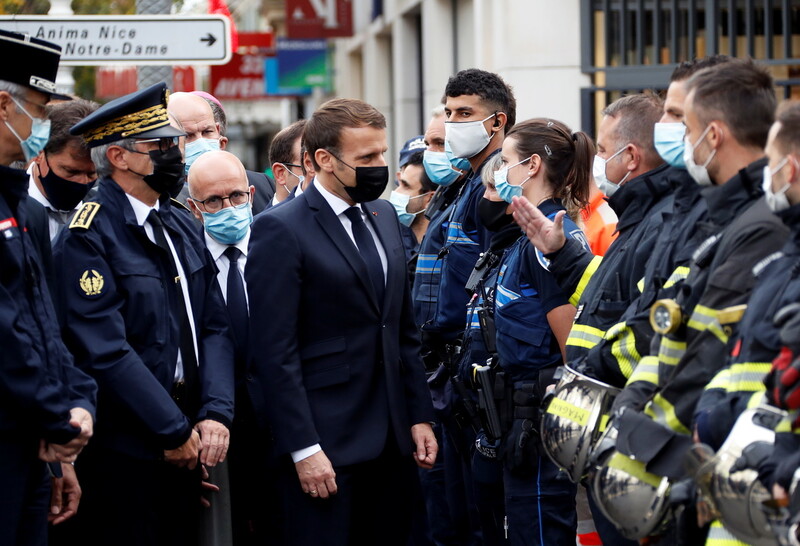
<point>506,191</point>
<point>400,202</point>
<point>668,140</point>
<point>40,134</point>
<point>229,225</point>
<point>198,147</point>
<point>442,168</point>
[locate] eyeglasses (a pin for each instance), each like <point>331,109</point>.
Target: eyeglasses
<point>214,203</point>
<point>42,107</point>
<point>164,143</point>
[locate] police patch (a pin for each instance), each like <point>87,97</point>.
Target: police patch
<point>91,283</point>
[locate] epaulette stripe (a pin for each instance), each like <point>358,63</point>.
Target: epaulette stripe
<point>84,217</point>
<point>178,203</point>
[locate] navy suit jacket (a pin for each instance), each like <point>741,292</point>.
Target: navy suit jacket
<point>330,364</point>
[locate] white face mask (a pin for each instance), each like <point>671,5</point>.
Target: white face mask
<point>467,138</point>
<point>599,172</point>
<point>776,200</point>
<point>698,172</point>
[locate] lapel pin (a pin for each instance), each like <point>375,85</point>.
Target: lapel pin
<point>374,213</point>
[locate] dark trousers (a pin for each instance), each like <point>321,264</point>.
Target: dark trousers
<point>24,494</point>
<point>540,505</point>
<point>374,504</point>
<point>132,502</point>
<point>256,508</point>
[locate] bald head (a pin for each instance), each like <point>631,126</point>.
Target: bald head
<point>195,115</point>
<point>216,174</point>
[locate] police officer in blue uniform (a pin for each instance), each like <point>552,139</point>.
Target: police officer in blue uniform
<point>549,164</point>
<point>46,404</point>
<point>144,315</point>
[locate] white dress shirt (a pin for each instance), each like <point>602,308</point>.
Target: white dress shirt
<point>217,251</point>
<point>56,219</point>
<point>339,205</point>
<point>142,211</point>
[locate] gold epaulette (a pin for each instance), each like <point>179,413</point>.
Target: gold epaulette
<point>731,315</point>
<point>84,217</point>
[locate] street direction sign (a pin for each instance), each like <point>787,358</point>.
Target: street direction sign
<point>130,39</point>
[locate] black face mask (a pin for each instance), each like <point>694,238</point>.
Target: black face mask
<point>63,194</point>
<point>493,214</point>
<point>168,171</point>
<point>370,182</point>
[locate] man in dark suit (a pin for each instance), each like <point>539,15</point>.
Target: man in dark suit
<point>335,362</point>
<point>145,317</point>
<point>203,134</point>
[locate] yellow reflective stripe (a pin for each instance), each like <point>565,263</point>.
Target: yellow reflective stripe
<point>785,424</point>
<point>720,381</point>
<point>640,285</point>
<point>624,350</point>
<point>670,351</point>
<point>646,371</point>
<point>677,276</point>
<point>662,411</point>
<point>584,336</point>
<point>719,536</point>
<point>587,274</point>
<point>705,318</point>
<point>564,409</point>
<point>634,468</point>
<point>748,376</point>
<point>756,399</point>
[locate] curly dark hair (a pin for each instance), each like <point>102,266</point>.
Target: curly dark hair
<point>490,87</point>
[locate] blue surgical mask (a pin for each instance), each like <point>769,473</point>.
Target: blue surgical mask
<point>668,140</point>
<point>40,134</point>
<point>229,225</point>
<point>442,168</point>
<point>506,191</point>
<point>198,147</point>
<point>400,202</point>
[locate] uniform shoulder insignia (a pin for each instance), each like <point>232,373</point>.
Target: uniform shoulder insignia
<point>84,217</point>
<point>177,203</point>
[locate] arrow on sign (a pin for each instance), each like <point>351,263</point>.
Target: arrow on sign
<point>210,39</point>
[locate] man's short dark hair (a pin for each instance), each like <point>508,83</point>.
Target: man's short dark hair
<point>425,182</point>
<point>740,93</point>
<point>62,116</point>
<point>219,116</point>
<point>787,139</point>
<point>324,128</point>
<point>637,116</point>
<point>280,150</point>
<point>490,87</point>
<point>687,69</point>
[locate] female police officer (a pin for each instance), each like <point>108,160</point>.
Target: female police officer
<point>551,166</point>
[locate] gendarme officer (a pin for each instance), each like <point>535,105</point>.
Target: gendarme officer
<point>46,404</point>
<point>145,317</point>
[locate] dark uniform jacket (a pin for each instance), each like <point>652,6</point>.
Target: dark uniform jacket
<point>680,227</point>
<point>122,328</point>
<point>602,288</point>
<point>740,383</point>
<point>721,277</point>
<point>38,382</point>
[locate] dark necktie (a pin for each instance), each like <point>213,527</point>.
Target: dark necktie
<point>188,357</point>
<point>368,250</point>
<point>236,300</point>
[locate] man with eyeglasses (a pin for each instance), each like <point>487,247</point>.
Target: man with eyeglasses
<point>46,404</point>
<point>144,315</point>
<point>222,201</point>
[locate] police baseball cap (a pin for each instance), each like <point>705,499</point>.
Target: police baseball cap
<point>30,62</point>
<point>142,114</point>
<point>412,145</point>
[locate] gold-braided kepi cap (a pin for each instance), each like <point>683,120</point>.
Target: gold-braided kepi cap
<point>142,114</point>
